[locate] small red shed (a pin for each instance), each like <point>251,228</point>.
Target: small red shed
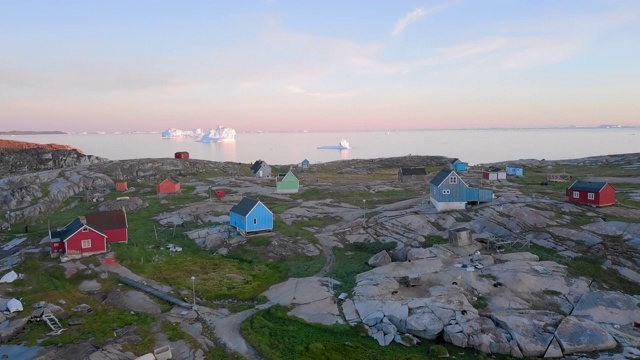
<point>111,223</point>
<point>591,193</point>
<point>219,194</point>
<point>168,186</point>
<point>121,186</point>
<point>77,239</point>
<point>494,174</point>
<point>182,155</point>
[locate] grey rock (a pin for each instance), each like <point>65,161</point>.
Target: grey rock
<point>610,307</point>
<point>529,329</point>
<point>373,318</point>
<point>425,325</point>
<point>380,259</point>
<point>582,335</point>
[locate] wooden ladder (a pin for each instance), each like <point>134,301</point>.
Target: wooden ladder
<point>53,323</point>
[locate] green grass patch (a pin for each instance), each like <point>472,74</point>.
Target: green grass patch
<point>259,241</point>
<point>275,335</point>
<point>352,260</point>
<point>435,240</point>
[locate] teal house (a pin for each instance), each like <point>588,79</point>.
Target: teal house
<point>251,216</point>
<point>457,165</point>
<point>287,183</point>
<point>515,170</point>
<point>449,192</point>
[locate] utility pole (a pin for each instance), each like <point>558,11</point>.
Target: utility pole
<point>193,285</point>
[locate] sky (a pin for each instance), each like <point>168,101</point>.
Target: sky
<point>327,65</point>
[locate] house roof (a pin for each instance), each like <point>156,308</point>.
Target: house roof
<point>107,220</point>
<point>455,160</point>
<point>257,165</point>
<point>72,228</point>
<point>460,230</point>
<point>593,186</point>
<point>172,179</point>
<point>514,166</point>
<point>441,176</point>
<point>182,152</point>
<point>282,176</point>
<point>413,171</point>
<point>305,161</point>
<point>494,170</point>
<point>245,206</point>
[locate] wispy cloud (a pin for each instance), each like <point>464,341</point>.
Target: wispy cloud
<point>298,90</point>
<point>414,16</point>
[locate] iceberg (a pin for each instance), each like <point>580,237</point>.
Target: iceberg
<point>344,144</point>
<point>174,133</point>
<point>219,134</point>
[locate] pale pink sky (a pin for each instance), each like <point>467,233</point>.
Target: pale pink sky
<point>291,66</point>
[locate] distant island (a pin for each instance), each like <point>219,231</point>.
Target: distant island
<point>18,132</point>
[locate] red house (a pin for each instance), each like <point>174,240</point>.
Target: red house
<point>168,186</point>
<point>182,155</point>
<point>111,223</point>
<point>77,240</point>
<point>121,186</point>
<point>592,193</point>
<point>219,194</point>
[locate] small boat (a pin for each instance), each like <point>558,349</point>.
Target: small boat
<point>344,144</point>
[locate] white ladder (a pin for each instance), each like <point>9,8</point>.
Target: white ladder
<point>53,323</point>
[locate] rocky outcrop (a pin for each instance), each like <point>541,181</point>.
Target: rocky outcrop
<point>577,334</point>
<point>21,158</point>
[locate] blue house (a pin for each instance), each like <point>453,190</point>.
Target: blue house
<point>449,192</point>
<point>458,165</point>
<point>515,170</point>
<point>251,216</point>
<point>304,164</point>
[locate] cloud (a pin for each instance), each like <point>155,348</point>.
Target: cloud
<point>414,16</point>
<point>539,53</point>
<point>298,90</point>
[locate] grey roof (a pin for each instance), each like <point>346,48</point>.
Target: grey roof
<point>592,186</point>
<point>455,160</point>
<point>244,207</point>
<point>441,176</point>
<point>257,165</point>
<point>71,228</point>
<point>460,229</point>
<point>413,171</point>
<point>495,170</point>
<point>173,180</point>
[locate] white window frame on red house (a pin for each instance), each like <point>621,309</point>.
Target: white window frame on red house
<point>576,194</point>
<point>446,191</point>
<point>86,244</point>
<point>453,180</point>
<point>591,196</point>
<point>85,229</point>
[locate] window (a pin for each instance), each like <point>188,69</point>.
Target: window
<point>86,244</point>
<point>255,221</point>
<point>576,194</point>
<point>446,192</point>
<point>85,229</point>
<point>591,196</point>
<point>453,180</point>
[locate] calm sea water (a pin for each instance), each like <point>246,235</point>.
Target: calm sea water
<point>473,146</point>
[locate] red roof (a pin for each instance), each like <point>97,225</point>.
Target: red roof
<point>107,220</point>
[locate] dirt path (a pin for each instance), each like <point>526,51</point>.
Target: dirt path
<point>227,330</point>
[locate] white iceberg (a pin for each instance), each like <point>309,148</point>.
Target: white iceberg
<point>174,133</point>
<point>219,134</point>
<point>344,144</point>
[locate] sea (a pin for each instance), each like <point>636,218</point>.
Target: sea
<point>477,146</point>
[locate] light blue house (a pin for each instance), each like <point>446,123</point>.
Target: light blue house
<point>304,164</point>
<point>251,216</point>
<point>515,170</point>
<point>449,192</point>
<point>458,165</point>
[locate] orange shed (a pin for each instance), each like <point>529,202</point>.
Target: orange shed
<point>121,186</point>
<point>168,186</point>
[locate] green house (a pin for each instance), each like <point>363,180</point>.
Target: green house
<point>287,183</point>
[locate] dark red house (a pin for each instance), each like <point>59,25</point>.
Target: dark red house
<point>168,186</point>
<point>111,223</point>
<point>219,194</point>
<point>77,239</point>
<point>121,186</point>
<point>591,193</point>
<point>182,155</point>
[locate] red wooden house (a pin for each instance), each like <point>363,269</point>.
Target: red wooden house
<point>111,223</point>
<point>121,186</point>
<point>591,193</point>
<point>168,186</point>
<point>182,155</point>
<point>77,239</point>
